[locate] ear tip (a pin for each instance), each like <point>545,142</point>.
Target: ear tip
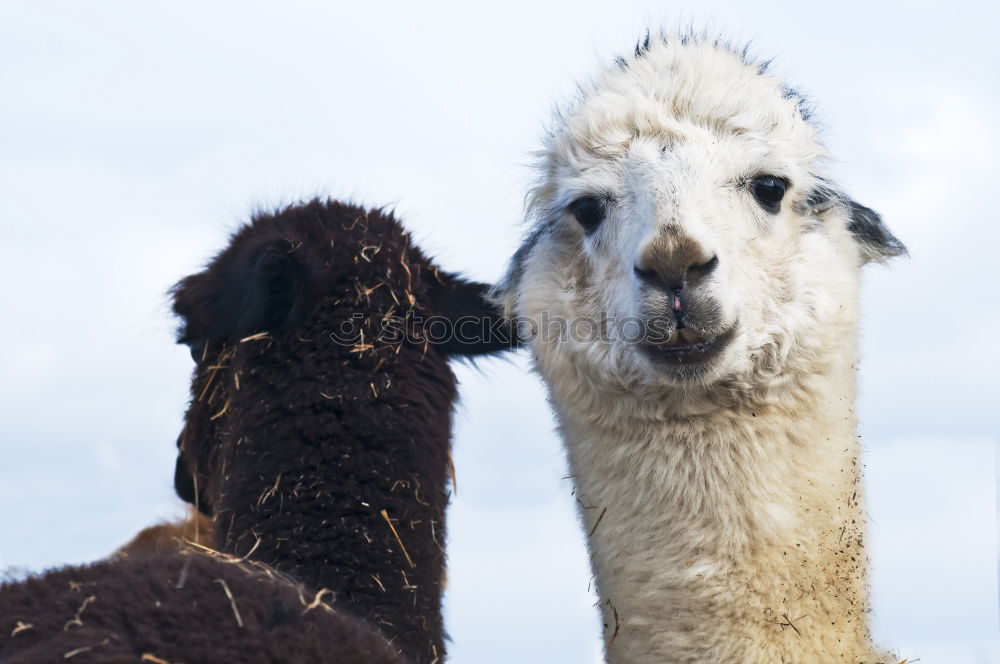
<point>892,246</point>
<point>884,252</point>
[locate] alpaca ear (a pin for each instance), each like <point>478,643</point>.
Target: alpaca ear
<point>876,241</point>
<point>474,324</point>
<point>256,287</point>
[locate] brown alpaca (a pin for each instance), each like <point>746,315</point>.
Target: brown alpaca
<point>323,462</point>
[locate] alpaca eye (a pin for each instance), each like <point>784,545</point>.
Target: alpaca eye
<point>769,190</point>
<point>589,211</point>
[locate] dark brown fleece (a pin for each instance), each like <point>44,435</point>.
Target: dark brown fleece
<point>324,460</point>
<point>174,607</point>
<point>328,458</point>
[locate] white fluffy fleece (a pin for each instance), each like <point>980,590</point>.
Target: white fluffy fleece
<point>722,505</point>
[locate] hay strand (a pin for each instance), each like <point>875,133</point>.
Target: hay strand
<point>150,657</point>
<point>76,621</point>
<point>409,561</point>
<point>318,600</point>
<point>23,627</point>
<point>232,601</point>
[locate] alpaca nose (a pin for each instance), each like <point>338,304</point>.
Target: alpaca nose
<point>673,263</point>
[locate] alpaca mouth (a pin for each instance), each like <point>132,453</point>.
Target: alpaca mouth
<point>686,347</point>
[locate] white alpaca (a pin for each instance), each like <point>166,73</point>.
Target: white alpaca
<point>691,282</point>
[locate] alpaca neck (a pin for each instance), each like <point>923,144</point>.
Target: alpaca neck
<point>342,488</point>
<point>727,536</point>
<point>373,548</point>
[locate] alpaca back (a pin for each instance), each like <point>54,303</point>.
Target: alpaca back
<point>173,607</point>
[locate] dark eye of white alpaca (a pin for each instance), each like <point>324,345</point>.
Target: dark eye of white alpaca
<point>589,212</point>
<point>769,190</point>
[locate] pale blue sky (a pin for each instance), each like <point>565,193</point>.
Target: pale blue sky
<point>135,136</point>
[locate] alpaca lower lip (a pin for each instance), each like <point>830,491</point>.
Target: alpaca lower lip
<point>677,352</point>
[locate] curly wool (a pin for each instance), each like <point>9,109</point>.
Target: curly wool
<point>323,463</point>
<point>177,608</point>
<point>329,459</point>
<point>721,492</point>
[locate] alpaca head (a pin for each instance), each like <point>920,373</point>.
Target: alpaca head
<point>683,231</point>
<point>320,280</point>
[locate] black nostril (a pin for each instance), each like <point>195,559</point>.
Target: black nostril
<point>656,280</point>
<point>707,267</point>
<point>644,274</point>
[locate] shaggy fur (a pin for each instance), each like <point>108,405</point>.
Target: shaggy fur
<point>323,463</point>
<point>329,460</point>
<point>174,607</point>
<point>719,480</point>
